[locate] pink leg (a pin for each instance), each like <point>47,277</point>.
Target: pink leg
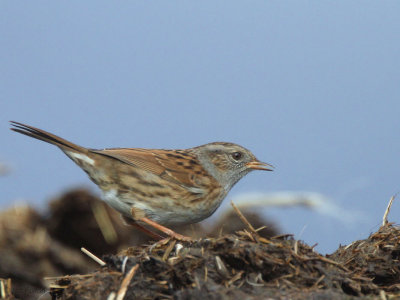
<point>143,229</point>
<point>166,230</point>
<point>148,231</point>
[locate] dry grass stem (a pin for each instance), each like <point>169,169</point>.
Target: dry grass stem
<point>261,228</point>
<point>124,264</point>
<point>315,285</point>
<point>235,278</point>
<point>125,282</point>
<point>169,249</point>
<point>5,288</point>
<point>245,221</point>
<point>94,257</point>
<point>221,268</point>
<point>382,295</point>
<point>67,276</point>
<point>296,247</point>
<point>57,286</point>
<point>111,296</point>
<point>2,289</point>
<point>329,261</point>
<point>385,215</point>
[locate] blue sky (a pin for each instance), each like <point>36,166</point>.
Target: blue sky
<point>310,87</point>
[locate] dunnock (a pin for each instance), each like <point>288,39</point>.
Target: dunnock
<point>159,187</point>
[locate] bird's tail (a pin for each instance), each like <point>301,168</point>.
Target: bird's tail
<point>46,137</point>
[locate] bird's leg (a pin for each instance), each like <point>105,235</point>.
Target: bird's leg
<point>166,230</point>
<point>139,215</point>
<point>143,229</point>
<point>148,231</point>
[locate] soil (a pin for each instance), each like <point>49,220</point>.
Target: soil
<point>40,252</point>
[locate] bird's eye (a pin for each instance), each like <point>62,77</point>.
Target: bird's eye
<point>236,155</point>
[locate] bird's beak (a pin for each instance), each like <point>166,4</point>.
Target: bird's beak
<point>258,165</point>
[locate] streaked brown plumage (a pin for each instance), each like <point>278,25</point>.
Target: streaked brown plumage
<point>159,187</point>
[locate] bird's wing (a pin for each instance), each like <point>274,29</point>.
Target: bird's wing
<point>174,166</point>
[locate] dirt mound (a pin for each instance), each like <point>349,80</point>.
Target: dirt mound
<point>244,265</point>
<point>376,258</point>
<point>236,261</point>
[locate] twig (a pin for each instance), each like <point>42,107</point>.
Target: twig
<point>382,295</point>
<point>349,245</point>
<point>2,290</point>
<point>125,282</point>
<point>124,264</point>
<point>94,257</point>
<point>235,278</point>
<point>315,285</point>
<point>9,289</point>
<point>244,232</point>
<point>385,215</point>
<point>265,241</point>
<point>261,228</point>
<point>221,269</point>
<point>57,286</point>
<point>53,278</point>
<point>168,250</point>
<point>296,247</point>
<point>245,221</point>
<point>329,261</point>
<point>111,296</point>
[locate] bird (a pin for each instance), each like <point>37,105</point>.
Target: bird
<point>159,188</point>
